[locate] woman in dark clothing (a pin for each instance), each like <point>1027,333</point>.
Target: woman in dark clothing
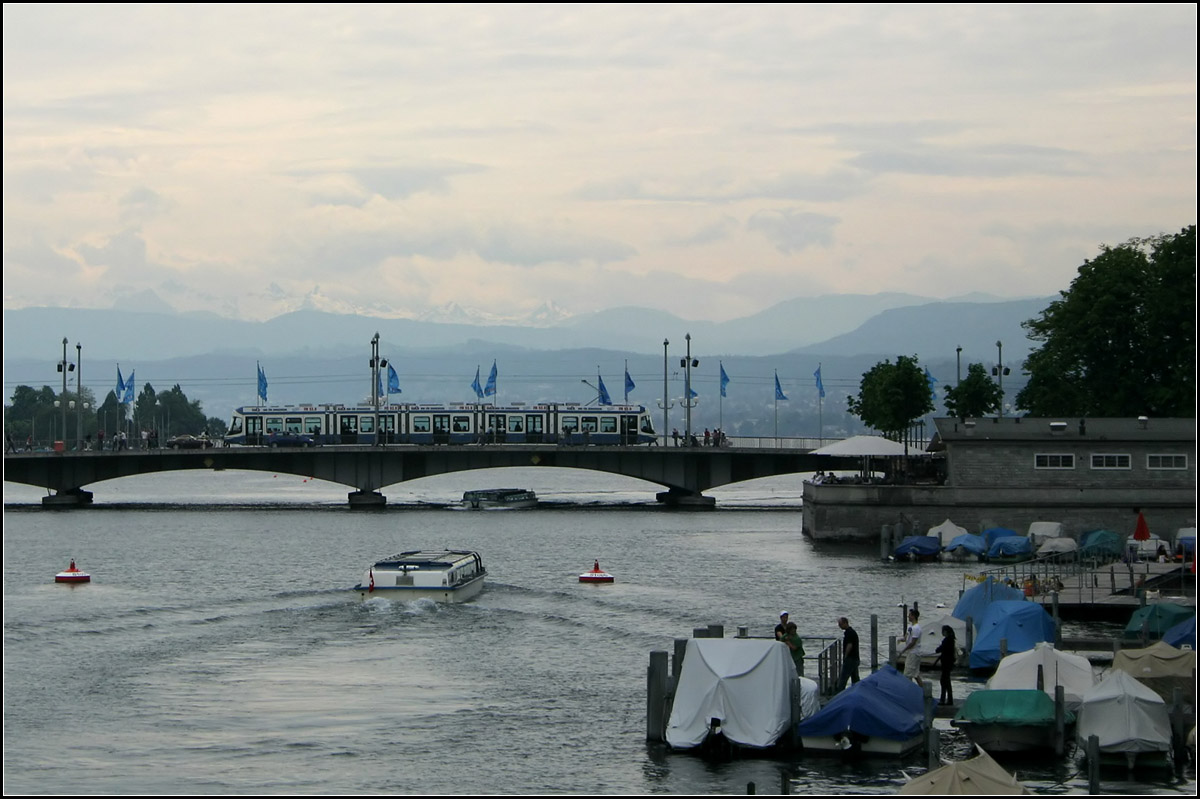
<point>946,653</point>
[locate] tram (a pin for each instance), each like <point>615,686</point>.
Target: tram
<point>455,423</point>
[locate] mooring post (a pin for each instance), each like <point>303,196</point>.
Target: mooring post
<point>716,631</point>
<point>1093,761</point>
<point>1060,719</point>
<point>874,643</point>
<point>677,661</point>
<point>892,649</point>
<point>743,631</point>
<point>656,696</point>
<point>885,540</point>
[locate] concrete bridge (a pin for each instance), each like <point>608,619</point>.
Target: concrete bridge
<point>685,472</point>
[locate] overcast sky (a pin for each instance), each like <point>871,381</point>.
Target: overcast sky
<point>707,160</point>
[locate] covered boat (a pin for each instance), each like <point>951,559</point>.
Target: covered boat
<point>991,534</point>
<point>1155,619</point>
<point>499,498</point>
<point>1148,548</point>
<point>1130,720</point>
<point>448,575</point>
<point>931,638</point>
<point>1059,549</point>
<point>1020,671</point>
<point>1041,532</point>
<point>947,531</point>
<point>973,604</point>
<point>979,776</point>
<point>1185,543</point>
<point>966,546</point>
<point>72,575</point>
<point>740,688</point>
<point>1010,549</point>
<point>1100,545</point>
<point>919,548</point>
<point>1182,634</point>
<point>1010,720</point>
<point>1020,625</point>
<point>881,714</point>
<point>1162,668</point>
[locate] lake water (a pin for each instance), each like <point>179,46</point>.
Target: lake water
<point>218,650</point>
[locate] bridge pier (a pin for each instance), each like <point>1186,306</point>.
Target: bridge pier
<point>682,497</point>
<point>366,499</point>
<point>67,498</point>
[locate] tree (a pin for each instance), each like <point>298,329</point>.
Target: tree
<point>1122,340</point>
<point>892,396</point>
<point>976,395</point>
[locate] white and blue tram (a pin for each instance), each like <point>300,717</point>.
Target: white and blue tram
<point>456,423</point>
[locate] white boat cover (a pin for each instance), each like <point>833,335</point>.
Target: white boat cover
<point>979,776</point>
<point>1160,667</point>
<point>1125,715</point>
<point>1019,671</point>
<point>931,636</point>
<point>1057,546</point>
<point>810,697</point>
<point>1041,531</point>
<point>947,531</point>
<point>747,683</point>
<point>1148,549</point>
<point>866,446</point>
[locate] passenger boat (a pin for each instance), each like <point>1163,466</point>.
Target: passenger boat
<point>499,498</point>
<point>442,575</point>
<point>72,575</point>
<point>1005,720</point>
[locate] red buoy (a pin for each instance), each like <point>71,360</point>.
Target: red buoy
<point>72,575</point>
<point>596,575</point>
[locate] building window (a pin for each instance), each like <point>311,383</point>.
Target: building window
<point>1054,461</point>
<point>1110,461</point>
<point>1166,461</point>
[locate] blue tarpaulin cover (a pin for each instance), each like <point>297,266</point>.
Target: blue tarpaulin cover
<point>1021,624</point>
<point>1182,634</point>
<point>921,546</point>
<point>885,705</point>
<point>974,602</point>
<point>970,542</point>
<point>1010,546</point>
<point>992,533</point>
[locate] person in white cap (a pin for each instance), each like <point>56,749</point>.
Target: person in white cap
<point>781,628</point>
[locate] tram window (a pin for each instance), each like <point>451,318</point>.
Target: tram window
<point>312,424</point>
<point>387,423</point>
<point>608,424</point>
<point>495,422</point>
<point>462,424</point>
<point>533,424</point>
<point>274,424</point>
<point>514,424</point>
<point>420,424</point>
<point>647,425</point>
<point>589,424</point>
<point>292,424</point>
<point>441,423</point>
<point>349,425</point>
<point>570,424</point>
<point>366,424</point>
<point>235,429</point>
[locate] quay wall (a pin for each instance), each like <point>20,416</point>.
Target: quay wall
<point>852,512</point>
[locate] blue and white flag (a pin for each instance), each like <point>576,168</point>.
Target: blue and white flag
<point>475,384</point>
<point>128,398</point>
<point>724,380</point>
<point>930,380</point>
<point>820,385</point>
<point>490,388</point>
<point>604,398</point>
<point>262,384</point>
<point>629,384</point>
<point>393,381</point>
<point>120,392</point>
<point>779,395</point>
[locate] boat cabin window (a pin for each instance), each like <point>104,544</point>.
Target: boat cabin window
<point>590,424</point>
<point>366,424</point>
<point>292,424</point>
<point>420,424</point>
<point>570,424</point>
<point>349,425</point>
<point>608,424</point>
<point>274,424</point>
<point>462,424</point>
<point>533,424</point>
<point>312,424</point>
<point>515,424</point>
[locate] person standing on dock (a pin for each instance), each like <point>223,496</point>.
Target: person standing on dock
<point>946,654</point>
<point>791,637</point>
<point>912,648</point>
<point>849,655</point>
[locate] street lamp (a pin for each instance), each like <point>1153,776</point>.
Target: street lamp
<point>376,364</point>
<point>958,367</point>
<point>79,391</point>
<point>64,367</point>
<point>665,403</point>
<point>688,403</point>
<point>998,372</point>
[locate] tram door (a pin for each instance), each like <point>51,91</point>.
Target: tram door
<point>535,432</point>
<point>441,428</point>
<point>254,430</point>
<point>629,428</point>
<point>348,428</point>
<point>497,428</point>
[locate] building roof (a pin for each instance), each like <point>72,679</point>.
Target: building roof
<point>1032,428</point>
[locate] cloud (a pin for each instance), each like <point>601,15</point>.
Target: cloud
<point>794,231</point>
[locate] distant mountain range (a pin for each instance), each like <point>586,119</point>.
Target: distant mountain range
<point>317,356</point>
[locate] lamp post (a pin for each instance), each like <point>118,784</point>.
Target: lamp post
<point>665,403</point>
<point>958,367</point>
<point>999,372</point>
<point>376,363</point>
<point>79,399</point>
<point>64,367</point>
<point>688,403</point>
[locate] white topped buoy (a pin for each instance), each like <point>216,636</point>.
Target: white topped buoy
<point>596,575</point>
<point>72,575</point>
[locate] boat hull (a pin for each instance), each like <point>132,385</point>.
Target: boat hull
<point>1009,737</point>
<point>410,593</point>
<point>837,744</point>
<point>595,578</point>
<point>72,577</point>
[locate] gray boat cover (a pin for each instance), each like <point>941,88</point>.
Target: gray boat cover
<point>747,683</point>
<point>1125,715</point>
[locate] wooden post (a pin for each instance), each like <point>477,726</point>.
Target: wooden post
<point>656,696</point>
<point>885,541</point>
<point>1093,761</point>
<point>874,643</point>
<point>677,661</point>
<point>716,631</point>
<point>1060,719</point>
<point>743,631</point>
<point>892,649</point>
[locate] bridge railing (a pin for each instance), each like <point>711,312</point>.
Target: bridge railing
<point>781,442</point>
